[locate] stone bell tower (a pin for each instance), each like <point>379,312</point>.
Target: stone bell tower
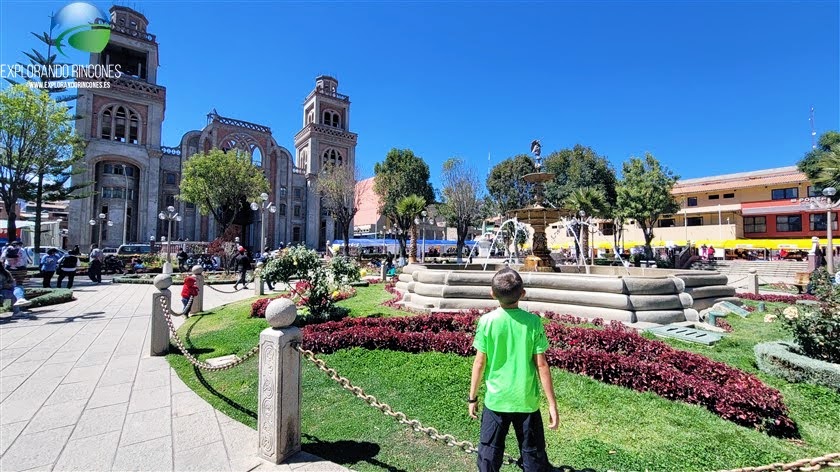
<point>324,139</point>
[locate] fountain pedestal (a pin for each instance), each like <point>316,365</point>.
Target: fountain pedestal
<point>539,218</point>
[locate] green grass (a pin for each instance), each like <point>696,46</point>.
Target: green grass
<point>602,426</point>
<point>368,302</point>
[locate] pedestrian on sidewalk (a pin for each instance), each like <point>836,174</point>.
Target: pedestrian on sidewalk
<point>67,266</point>
<point>15,259</point>
<point>49,264</point>
<point>95,267</point>
<point>511,345</point>
<point>190,289</point>
<point>241,264</point>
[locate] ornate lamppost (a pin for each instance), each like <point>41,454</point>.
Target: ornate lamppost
<point>169,216</point>
<point>262,207</point>
<point>103,221</point>
<point>423,219</point>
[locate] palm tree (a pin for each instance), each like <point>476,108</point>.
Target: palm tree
<point>830,173</point>
<point>592,203</point>
<point>409,208</point>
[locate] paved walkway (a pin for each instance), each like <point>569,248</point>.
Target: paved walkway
<point>78,391</point>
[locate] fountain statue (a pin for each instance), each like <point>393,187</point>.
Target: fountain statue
<point>537,216</point>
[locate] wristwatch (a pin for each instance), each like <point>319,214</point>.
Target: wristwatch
<point>472,400</point>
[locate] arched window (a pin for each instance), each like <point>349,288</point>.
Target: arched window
<point>244,143</point>
<point>331,156</point>
<point>120,123</point>
<point>332,118</point>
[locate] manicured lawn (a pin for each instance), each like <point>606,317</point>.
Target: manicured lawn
<point>602,426</point>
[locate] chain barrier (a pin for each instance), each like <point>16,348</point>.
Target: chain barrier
<point>164,303</point>
<point>386,409</point>
<point>804,465</point>
<point>736,281</point>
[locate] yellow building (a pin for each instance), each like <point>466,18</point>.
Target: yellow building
<point>762,210</point>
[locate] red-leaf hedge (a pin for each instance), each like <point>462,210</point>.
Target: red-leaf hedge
<point>614,355</point>
<point>770,297</point>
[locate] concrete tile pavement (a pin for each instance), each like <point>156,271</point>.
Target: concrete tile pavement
<point>78,391</point>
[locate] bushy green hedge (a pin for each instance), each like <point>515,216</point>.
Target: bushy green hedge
<point>778,358</point>
<point>43,297</point>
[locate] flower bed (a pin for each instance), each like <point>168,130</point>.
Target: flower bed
<point>779,359</point>
<point>775,298</point>
<point>613,355</point>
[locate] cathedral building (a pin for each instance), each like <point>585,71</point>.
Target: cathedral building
<point>136,177</point>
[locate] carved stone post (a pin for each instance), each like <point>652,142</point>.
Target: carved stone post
<point>198,301</point>
<point>159,336</point>
<point>259,283</point>
<point>752,281</point>
<point>278,417</point>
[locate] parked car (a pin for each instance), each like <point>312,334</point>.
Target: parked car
<point>34,262</point>
<point>134,249</point>
<point>107,251</point>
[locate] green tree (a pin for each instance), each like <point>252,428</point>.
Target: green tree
<point>221,183</point>
<point>337,184</point>
<point>505,185</point>
<point>409,208</point>
<point>53,172</point>
<point>644,194</point>
<point>576,168</point>
<point>822,165</point>
<point>36,140</point>
<point>462,201</point>
<point>593,203</point>
<point>401,174</point>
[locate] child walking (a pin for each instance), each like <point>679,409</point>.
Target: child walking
<point>511,345</point>
<point>190,289</point>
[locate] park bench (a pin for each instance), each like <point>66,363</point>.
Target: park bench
<point>801,281</point>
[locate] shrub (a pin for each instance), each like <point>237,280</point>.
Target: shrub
<point>781,360</point>
<point>304,317</point>
<point>817,330</point>
<point>614,355</point>
<point>344,270</point>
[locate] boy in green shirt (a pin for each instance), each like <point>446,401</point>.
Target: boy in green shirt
<point>511,344</point>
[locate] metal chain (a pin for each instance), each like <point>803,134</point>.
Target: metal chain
<point>804,465</point>
<point>386,409</point>
<point>164,303</point>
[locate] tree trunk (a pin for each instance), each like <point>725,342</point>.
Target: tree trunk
<point>412,256</point>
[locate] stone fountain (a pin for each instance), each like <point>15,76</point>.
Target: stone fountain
<point>537,216</point>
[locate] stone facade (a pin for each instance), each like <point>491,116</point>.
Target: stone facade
<point>136,176</point>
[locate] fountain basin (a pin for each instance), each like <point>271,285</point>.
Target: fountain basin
<point>657,296</point>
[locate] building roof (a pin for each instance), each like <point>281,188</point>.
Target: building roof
<point>368,213</point>
<point>758,178</point>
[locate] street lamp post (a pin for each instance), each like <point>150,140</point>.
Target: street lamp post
<point>827,205</point>
<point>125,207</point>
<point>169,216</point>
<point>104,221</point>
<point>418,220</point>
<point>262,207</point>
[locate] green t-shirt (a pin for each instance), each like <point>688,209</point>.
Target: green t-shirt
<point>510,338</point>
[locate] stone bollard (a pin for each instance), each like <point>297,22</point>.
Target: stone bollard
<point>278,417</point>
<point>383,272</point>
<point>259,283</point>
<point>198,301</point>
<point>752,281</point>
<point>159,338</point>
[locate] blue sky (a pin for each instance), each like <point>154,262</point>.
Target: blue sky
<point>707,87</point>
